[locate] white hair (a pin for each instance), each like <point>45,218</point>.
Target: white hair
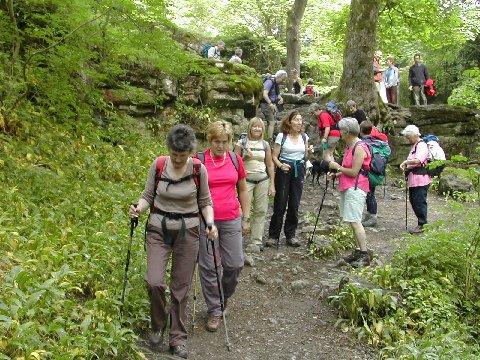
<point>411,130</point>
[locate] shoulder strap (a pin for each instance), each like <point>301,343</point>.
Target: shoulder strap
<point>233,156</point>
<point>197,167</point>
<point>158,174</point>
<point>264,145</point>
<point>200,156</point>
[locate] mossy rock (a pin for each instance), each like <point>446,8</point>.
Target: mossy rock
<point>454,180</point>
<point>136,95</point>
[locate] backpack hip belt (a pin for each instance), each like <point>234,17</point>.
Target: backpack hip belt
<point>172,215</point>
<point>167,235</point>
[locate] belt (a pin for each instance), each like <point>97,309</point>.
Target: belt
<point>257,181</point>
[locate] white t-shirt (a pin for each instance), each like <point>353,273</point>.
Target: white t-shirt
<point>235,59</point>
<point>290,151</point>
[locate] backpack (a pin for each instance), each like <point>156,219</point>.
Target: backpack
<point>159,170</point>
<point>335,113</point>
<point>244,139</point>
<point>204,51</point>
<point>435,152</point>
<point>429,88</point>
<point>310,90</point>
<point>376,171</point>
<point>274,89</point>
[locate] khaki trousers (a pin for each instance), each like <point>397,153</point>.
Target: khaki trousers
<point>184,255</point>
<point>259,201</point>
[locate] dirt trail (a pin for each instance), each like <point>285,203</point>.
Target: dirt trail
<point>280,309</point>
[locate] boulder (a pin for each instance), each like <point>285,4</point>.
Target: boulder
<point>454,180</point>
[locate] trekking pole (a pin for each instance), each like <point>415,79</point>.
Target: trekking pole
<point>195,291</point>
<point>222,300</point>
<point>406,201</point>
<point>310,240</point>
<point>133,225</point>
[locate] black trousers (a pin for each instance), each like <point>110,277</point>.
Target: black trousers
<point>288,192</point>
<point>418,199</point>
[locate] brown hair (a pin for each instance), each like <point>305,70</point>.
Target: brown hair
<point>286,125</point>
<point>366,127</point>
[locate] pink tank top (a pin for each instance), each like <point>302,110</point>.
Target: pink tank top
<point>346,181</point>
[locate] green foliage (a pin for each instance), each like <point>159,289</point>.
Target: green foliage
<point>65,233</point>
<point>468,93</point>
<point>425,304</point>
<point>340,239</point>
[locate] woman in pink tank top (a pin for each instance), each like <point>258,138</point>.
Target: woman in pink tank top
<point>353,186</point>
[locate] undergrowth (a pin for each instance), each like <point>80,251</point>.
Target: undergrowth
<point>64,234</point>
<point>426,303</point>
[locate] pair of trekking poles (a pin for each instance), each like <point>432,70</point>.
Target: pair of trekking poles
<point>133,225</point>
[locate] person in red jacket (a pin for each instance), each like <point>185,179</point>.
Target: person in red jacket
<point>327,125</point>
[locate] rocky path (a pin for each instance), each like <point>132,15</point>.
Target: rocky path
<point>281,310</point>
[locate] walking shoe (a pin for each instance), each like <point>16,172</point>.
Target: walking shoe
<point>371,221</point>
<point>366,216</point>
<point>270,242</point>
<point>293,242</point>
<point>156,338</point>
<point>353,256</point>
<point>417,230</point>
<point>252,248</point>
<point>213,323</point>
<point>179,350</point>
<point>363,260</point>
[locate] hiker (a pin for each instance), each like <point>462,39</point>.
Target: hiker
<point>173,228</point>
<point>297,83</point>
<point>370,218</point>
<point>355,112</point>
<point>311,89</point>
<point>390,78</point>
<point>237,57</point>
<point>327,124</point>
<point>271,97</point>
<point>257,158</point>
<point>215,51</point>
<point>417,76</point>
<point>353,186</point>
<point>226,175</point>
<point>378,77</point>
<point>418,179</point>
<point>289,154</point>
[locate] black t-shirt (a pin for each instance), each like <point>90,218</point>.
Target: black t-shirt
<point>359,115</point>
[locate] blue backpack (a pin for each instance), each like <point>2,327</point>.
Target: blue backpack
<point>204,52</point>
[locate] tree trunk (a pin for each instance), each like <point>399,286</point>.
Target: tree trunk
<point>294,18</point>
<point>357,82</point>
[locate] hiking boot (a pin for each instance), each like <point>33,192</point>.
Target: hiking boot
<point>270,242</point>
<point>252,248</point>
<point>417,230</point>
<point>363,260</point>
<point>353,256</point>
<point>293,242</point>
<point>213,323</point>
<point>371,221</point>
<point>156,338</point>
<point>365,217</point>
<point>179,350</point>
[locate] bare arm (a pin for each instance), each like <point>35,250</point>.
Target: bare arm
<point>358,158</point>
<point>270,169</point>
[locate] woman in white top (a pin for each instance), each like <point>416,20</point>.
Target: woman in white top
<point>289,154</point>
<point>257,159</point>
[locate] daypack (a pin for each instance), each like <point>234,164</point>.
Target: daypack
<point>159,170</point>
<point>309,89</point>
<point>244,139</point>
<point>335,113</point>
<point>435,152</point>
<point>376,171</point>
<point>204,52</point>
<point>275,89</point>
<point>429,88</point>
